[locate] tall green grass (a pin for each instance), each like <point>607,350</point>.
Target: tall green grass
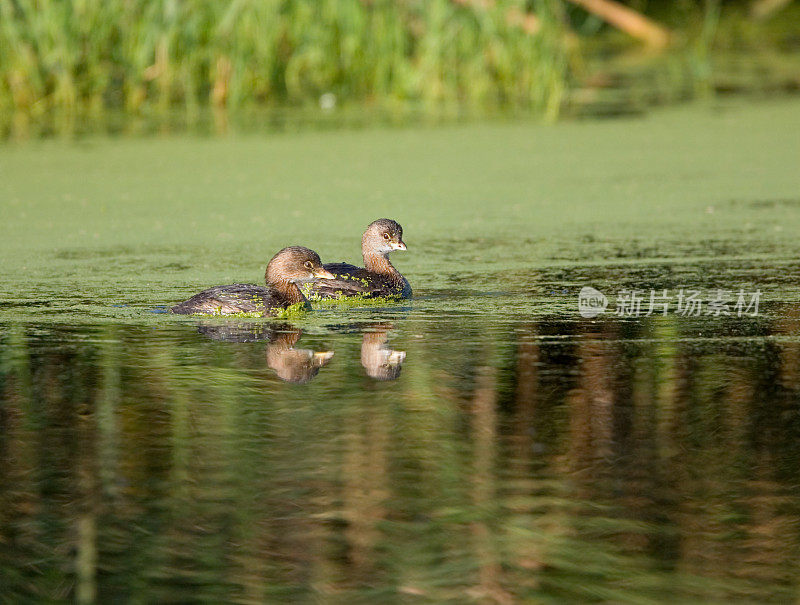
<point>89,56</point>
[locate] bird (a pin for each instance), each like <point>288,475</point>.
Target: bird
<point>377,277</point>
<point>288,269</point>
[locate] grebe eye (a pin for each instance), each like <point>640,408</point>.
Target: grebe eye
<point>308,264</point>
<point>386,236</point>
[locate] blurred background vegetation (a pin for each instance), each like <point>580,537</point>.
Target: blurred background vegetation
<point>88,59</point>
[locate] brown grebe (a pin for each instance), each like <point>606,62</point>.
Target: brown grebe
<point>377,277</point>
<point>288,268</point>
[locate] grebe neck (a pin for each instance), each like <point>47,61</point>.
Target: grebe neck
<point>379,263</point>
<point>290,291</point>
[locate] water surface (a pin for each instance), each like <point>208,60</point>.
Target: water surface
<point>483,442</point>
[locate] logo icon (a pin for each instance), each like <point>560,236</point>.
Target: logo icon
<point>591,302</point>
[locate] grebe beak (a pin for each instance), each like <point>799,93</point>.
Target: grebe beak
<point>399,245</point>
<point>321,273</point>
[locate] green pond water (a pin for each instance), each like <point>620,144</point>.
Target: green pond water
<point>484,442</point>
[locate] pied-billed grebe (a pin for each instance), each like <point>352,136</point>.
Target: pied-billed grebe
<point>288,268</point>
<point>377,277</point>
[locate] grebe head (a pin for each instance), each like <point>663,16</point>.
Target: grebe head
<point>296,265</point>
<point>382,237</point>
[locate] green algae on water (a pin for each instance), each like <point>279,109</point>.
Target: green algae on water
<point>357,301</point>
<point>491,212</point>
<point>295,311</point>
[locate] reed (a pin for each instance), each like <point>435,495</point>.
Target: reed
<point>64,64</point>
<point>146,55</point>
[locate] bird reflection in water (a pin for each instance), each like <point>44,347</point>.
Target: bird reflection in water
<point>290,364</point>
<point>301,365</point>
<point>294,365</point>
<point>380,362</point>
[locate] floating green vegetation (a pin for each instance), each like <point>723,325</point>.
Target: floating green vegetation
<point>357,301</point>
<point>656,196</point>
<point>218,313</point>
<point>295,311</point>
